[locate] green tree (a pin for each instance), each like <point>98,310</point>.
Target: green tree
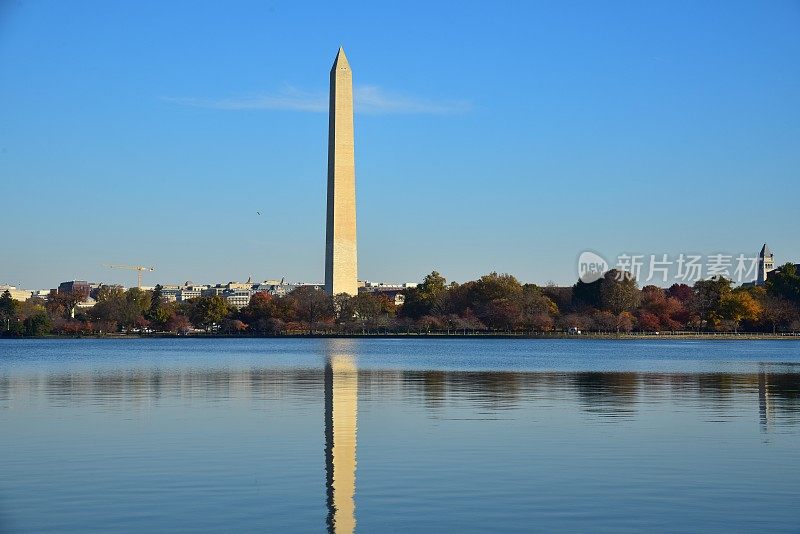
<point>367,308</point>
<point>105,293</point>
<point>587,294</point>
<point>493,286</point>
<point>159,312</point>
<point>619,292</point>
<point>8,311</point>
<point>707,299</point>
<point>785,282</point>
<point>344,307</point>
<point>206,312</point>
<point>427,298</point>
<point>139,299</point>
<point>37,325</point>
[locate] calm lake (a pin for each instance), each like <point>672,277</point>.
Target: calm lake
<point>386,435</point>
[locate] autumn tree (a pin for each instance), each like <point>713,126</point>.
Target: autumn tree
<point>777,311</point>
<point>312,305</point>
<point>648,321</point>
<point>262,314</point>
<point>62,304</point>
<point>681,292</point>
<point>658,310</point>
<point>604,321</point>
<point>497,300</point>
<point>178,323</point>
<point>739,305</point>
<point>536,308</point>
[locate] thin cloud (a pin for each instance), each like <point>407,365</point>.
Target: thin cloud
<point>374,100</point>
<point>369,99</point>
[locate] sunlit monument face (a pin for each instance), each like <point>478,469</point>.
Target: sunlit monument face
<point>341,264</point>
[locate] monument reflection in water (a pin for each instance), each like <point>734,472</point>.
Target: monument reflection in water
<point>341,428</point>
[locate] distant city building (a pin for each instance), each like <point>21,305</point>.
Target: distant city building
<point>74,286</point>
<point>88,303</point>
<point>214,291</point>
<point>188,291</point>
<point>392,291</point>
<point>766,264</point>
<point>274,288</point>
<point>237,294</point>
<point>238,298</point>
<point>17,294</point>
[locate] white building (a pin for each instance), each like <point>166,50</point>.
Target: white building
<point>766,264</point>
<point>17,294</point>
<point>392,291</point>
<point>238,298</point>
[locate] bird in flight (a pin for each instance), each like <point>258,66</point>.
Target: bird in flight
<point>258,212</point>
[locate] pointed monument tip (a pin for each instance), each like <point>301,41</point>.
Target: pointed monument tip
<point>341,58</point>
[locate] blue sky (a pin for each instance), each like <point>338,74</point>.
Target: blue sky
<point>489,136</point>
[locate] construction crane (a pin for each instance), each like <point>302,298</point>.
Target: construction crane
<point>137,268</point>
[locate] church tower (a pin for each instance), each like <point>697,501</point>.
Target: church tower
<point>766,263</point>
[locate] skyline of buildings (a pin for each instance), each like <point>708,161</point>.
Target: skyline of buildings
<point>238,294</point>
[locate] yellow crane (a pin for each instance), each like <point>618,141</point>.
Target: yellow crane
<point>137,268</point>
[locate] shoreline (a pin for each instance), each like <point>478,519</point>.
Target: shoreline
<point>703,336</point>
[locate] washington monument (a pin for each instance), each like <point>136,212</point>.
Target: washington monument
<point>341,263</point>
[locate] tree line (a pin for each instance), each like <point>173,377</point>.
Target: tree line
<point>496,303</point>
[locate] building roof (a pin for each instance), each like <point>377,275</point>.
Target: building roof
<point>765,252</point>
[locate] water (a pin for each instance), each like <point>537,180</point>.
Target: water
<point>374,435</point>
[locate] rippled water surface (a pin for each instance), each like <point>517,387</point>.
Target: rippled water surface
<point>374,435</point>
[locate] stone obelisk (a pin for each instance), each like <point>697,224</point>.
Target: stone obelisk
<point>341,263</point>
